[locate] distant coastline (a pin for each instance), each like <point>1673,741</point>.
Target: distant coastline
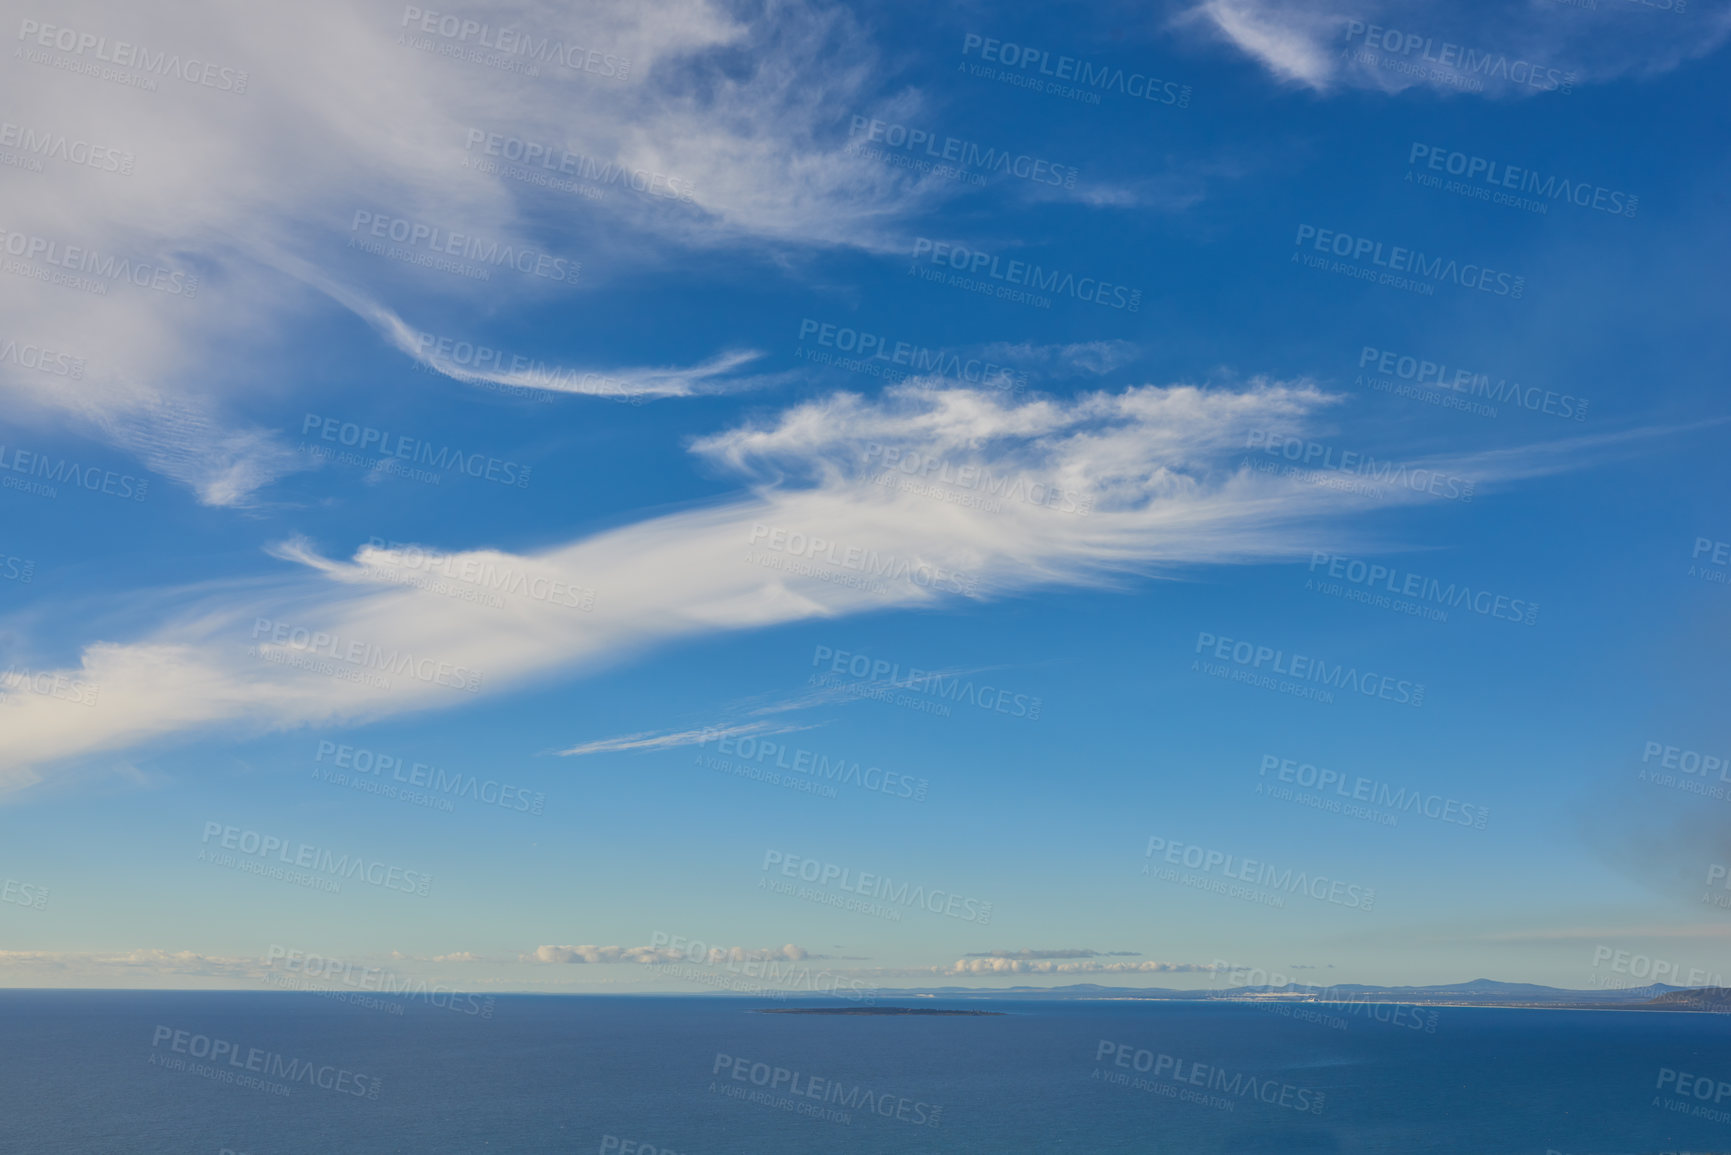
<point>1480,994</point>
<point>869,1011</point>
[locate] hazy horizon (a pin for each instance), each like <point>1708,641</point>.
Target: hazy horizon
<point>621,498</point>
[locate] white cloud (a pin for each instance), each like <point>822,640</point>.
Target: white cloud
<point>1306,42</point>
<point>1289,39</point>
<point>335,642</point>
<point>658,956</point>
<point>650,740</point>
<point>1609,934</point>
<point>977,966</point>
<point>246,192</point>
<point>1051,954</point>
<point>126,965</point>
<point>475,363</point>
<point>1078,359</point>
<point>149,967</point>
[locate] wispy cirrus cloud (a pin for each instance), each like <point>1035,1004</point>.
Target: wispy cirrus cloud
<point>228,198</point>
<point>474,363</point>
<point>1686,930</point>
<point>1495,51</point>
<point>1161,470</point>
<point>672,739</point>
<point>1290,40</point>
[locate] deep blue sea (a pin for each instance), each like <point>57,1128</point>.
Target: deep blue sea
<point>146,1072</point>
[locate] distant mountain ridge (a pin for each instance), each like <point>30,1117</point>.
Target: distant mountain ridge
<point>1699,998</point>
<point>1476,992</point>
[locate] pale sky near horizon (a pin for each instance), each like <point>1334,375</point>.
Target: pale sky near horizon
<point>895,496</point>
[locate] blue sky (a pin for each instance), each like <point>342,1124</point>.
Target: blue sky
<point>1284,329</point>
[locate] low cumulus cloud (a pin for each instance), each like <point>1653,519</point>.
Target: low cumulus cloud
<point>144,962</point>
<point>974,965</point>
<point>661,955</point>
<point>1051,954</point>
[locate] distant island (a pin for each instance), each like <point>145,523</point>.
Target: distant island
<point>869,1011</point>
